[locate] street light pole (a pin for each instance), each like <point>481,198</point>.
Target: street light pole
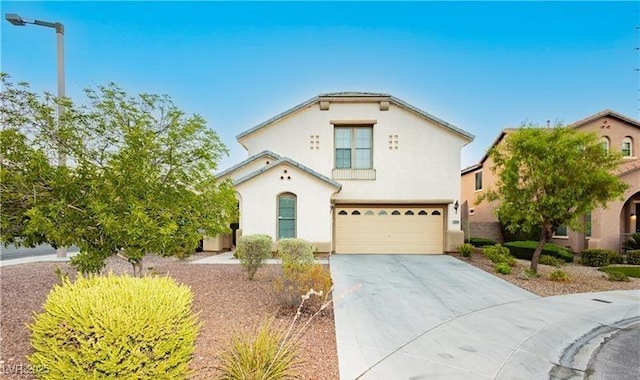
<point>19,21</point>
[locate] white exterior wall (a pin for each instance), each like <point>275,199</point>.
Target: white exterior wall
<point>258,208</point>
<point>249,168</point>
<point>425,166</point>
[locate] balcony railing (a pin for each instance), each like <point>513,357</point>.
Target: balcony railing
<point>357,174</point>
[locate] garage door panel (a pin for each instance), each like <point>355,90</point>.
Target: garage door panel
<point>389,229</point>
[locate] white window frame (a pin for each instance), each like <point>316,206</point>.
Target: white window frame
<point>475,181</point>
<point>353,129</point>
<point>627,140</point>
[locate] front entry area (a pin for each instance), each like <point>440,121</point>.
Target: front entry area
<point>389,229</point>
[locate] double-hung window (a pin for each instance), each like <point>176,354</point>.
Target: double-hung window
<point>354,147</point>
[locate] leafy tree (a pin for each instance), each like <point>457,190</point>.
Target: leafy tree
<point>139,180</point>
<point>551,177</point>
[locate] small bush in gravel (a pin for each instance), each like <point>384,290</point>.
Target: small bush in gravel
<point>252,251</point>
<point>503,268</point>
<point>465,250</point>
<point>559,275</point>
<point>527,274</point>
<point>617,276</point>
<point>115,327</point>
<point>499,254</point>
<point>296,254</point>
<point>481,242</point>
<point>290,287</point>
<point>597,257</point>
<point>550,260</point>
<point>266,353</point>
<point>633,257</point>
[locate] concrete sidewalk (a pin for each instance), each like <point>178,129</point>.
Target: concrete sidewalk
<point>37,259</point>
<point>227,258</point>
<point>424,317</point>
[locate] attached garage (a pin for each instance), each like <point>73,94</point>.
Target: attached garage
<point>389,229</point>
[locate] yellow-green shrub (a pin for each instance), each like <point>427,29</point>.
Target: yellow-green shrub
<point>265,354</point>
<point>559,275</point>
<point>296,254</point>
<point>291,285</point>
<point>115,327</point>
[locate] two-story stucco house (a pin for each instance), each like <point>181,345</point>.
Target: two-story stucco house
<point>606,227</point>
<point>353,173</point>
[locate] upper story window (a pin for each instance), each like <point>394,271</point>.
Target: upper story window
<point>627,147</point>
<point>478,181</point>
<point>354,147</point>
<point>604,142</point>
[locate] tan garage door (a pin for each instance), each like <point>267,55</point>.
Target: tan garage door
<point>389,229</point>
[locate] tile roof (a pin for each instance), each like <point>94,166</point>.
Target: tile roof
<point>287,160</point>
<point>359,95</point>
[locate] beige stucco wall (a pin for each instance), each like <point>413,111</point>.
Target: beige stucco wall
<point>424,167</point>
<point>479,217</point>
<point>258,208</point>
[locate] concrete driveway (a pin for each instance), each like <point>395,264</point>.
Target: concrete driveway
<point>433,316</point>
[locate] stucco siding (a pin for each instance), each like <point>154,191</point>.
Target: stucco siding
<point>258,206</point>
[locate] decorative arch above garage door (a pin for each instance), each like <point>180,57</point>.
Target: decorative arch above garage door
<point>389,229</point>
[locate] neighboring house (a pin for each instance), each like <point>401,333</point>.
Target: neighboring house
<point>606,227</point>
<point>353,173</point>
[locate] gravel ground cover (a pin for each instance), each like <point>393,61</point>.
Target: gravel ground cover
<point>227,302</point>
<point>581,279</point>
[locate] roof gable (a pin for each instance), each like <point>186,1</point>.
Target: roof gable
<point>576,125</point>
<point>287,160</point>
<point>359,97</point>
<point>264,153</point>
<point>605,113</point>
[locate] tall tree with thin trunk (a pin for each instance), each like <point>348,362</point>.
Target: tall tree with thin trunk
<point>140,177</point>
<point>549,177</point>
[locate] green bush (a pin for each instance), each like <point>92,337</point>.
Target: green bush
<point>252,251</point>
<point>615,275</point>
<point>503,268</point>
<point>267,353</point>
<point>633,257</point>
<point>550,260</point>
<point>559,275</point>
<point>481,242</point>
<point>88,263</point>
<point>509,235</point>
<point>633,243</point>
<point>524,250</point>
<point>295,253</point>
<point>597,257</point>
<point>499,254</point>
<point>115,327</point>
<point>465,250</point>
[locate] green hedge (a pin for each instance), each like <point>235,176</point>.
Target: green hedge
<point>481,242</point>
<point>600,257</point>
<point>524,250</point>
<point>633,257</point>
<point>629,271</point>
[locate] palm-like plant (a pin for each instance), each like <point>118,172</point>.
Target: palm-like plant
<point>633,243</point>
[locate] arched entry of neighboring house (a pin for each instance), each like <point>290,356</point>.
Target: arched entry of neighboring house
<point>629,222</point>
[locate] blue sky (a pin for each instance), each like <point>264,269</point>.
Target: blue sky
<point>482,66</point>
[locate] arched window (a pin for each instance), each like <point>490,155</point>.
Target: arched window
<point>355,212</point>
<point>627,147</point>
<point>286,216</point>
<point>604,142</point>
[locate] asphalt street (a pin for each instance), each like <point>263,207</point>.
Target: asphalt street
<point>12,252</point>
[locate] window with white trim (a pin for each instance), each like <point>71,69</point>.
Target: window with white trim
<point>286,216</point>
<point>627,147</point>
<point>478,181</point>
<point>604,142</point>
<point>353,147</point>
